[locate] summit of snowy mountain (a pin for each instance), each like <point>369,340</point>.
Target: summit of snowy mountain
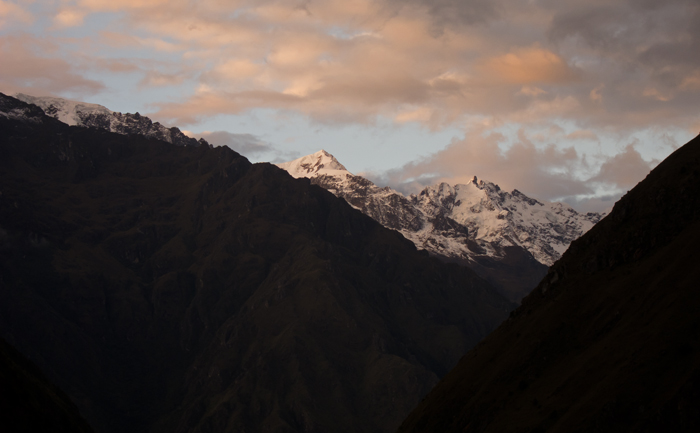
<point>319,163</point>
<point>76,113</point>
<point>507,237</point>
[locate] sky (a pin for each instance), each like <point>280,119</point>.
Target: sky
<point>565,100</point>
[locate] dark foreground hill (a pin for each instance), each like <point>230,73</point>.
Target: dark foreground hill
<point>175,289</point>
<point>29,402</point>
<point>609,341</point>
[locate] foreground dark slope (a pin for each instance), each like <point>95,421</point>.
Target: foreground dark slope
<point>29,402</point>
<point>173,289</point>
<point>608,341</point>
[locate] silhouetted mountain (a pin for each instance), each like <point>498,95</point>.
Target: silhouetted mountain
<point>610,339</point>
<point>177,289</point>
<point>29,402</point>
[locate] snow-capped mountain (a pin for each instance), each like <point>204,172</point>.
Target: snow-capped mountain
<point>476,223</point>
<point>496,217</point>
<point>96,116</point>
<point>388,207</point>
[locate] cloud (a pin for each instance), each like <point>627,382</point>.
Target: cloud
<point>12,13</point>
<point>527,66</point>
<point>648,45</point>
<point>601,64</point>
<point>454,13</point>
<point>246,144</point>
<point>582,134</point>
<point>108,5</point>
<point>158,79</point>
<point>604,64</point>
<point>624,170</point>
<point>29,66</point>
<point>69,18</point>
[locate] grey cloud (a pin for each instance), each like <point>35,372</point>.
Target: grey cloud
<point>446,13</point>
<point>624,170</point>
<point>245,144</point>
<point>375,90</point>
<point>249,145</point>
<point>653,33</point>
<point>593,204</point>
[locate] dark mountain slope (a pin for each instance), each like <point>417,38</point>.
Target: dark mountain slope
<point>29,402</point>
<point>608,341</point>
<point>173,288</point>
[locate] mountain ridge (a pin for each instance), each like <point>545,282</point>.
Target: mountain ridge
<point>179,288</point>
<point>75,113</point>
<point>508,238</point>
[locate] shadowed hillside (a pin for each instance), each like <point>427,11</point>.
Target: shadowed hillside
<point>174,289</point>
<point>608,341</point>
<point>29,402</point>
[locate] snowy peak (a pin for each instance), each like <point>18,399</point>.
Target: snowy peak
<point>319,163</point>
<point>82,114</point>
<point>507,219</point>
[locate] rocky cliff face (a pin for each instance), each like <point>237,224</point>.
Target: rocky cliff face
<point>178,288</point>
<point>96,116</point>
<point>508,238</point>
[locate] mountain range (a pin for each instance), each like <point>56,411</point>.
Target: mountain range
<point>171,288</point>
<point>610,338</point>
<point>180,288</point>
<point>508,238</point>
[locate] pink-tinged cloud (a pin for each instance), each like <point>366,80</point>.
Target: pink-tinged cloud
<point>604,64</point>
<point>24,69</point>
<point>12,13</point>
<point>582,134</point>
<point>526,66</point>
<point>70,17</point>
<point>107,5</point>
<point>159,79</point>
